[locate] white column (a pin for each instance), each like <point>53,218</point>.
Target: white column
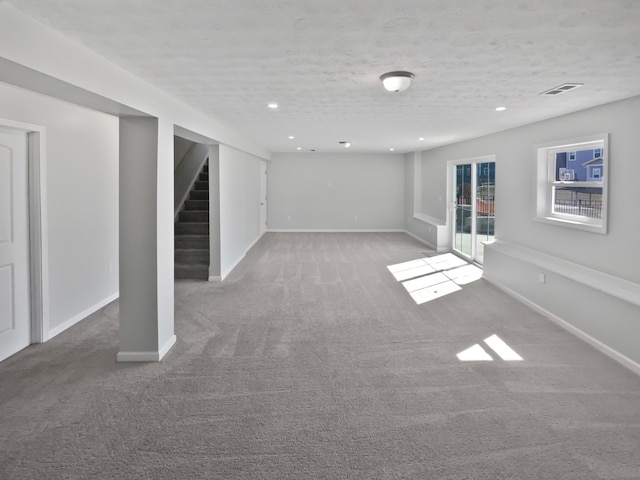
<point>214,212</point>
<point>146,239</point>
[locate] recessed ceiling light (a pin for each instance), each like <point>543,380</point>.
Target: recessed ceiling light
<point>299,148</point>
<point>345,144</point>
<point>421,138</point>
<point>273,106</point>
<point>500,109</point>
<point>291,137</point>
<point>391,149</point>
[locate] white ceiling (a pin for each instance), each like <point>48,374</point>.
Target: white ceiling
<point>320,60</point>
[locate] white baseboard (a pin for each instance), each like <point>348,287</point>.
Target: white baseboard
<point>81,316</point>
<point>224,274</point>
<point>147,356</point>
<point>422,241</point>
<point>238,260</point>
<point>215,278</point>
<point>597,344</point>
<point>167,346</point>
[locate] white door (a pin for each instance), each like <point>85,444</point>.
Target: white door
<point>263,197</point>
<point>15,328</point>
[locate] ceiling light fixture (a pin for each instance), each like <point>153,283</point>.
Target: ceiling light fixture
<point>391,149</point>
<point>500,109</point>
<point>396,81</point>
<point>421,139</point>
<point>273,106</point>
<point>291,137</point>
<point>345,144</point>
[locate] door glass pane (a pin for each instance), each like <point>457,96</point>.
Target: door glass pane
<point>485,197</point>
<point>462,210</point>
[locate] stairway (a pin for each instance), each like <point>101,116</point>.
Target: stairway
<point>192,232</point>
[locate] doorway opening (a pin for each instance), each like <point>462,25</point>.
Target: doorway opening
<point>472,194</point>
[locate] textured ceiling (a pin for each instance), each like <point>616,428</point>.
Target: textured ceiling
<point>320,61</point>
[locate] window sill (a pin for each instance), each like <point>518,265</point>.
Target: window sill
<point>575,224</point>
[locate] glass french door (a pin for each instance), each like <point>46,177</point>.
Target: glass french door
<point>473,215</point>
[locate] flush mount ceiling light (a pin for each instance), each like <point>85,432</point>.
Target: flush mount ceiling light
<point>396,81</point>
<point>272,105</point>
<point>345,144</point>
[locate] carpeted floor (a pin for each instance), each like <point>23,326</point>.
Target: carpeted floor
<point>311,362</point>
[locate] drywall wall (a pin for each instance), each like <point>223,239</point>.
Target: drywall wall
<point>82,202</point>
<point>612,254</point>
<point>55,65</point>
<point>336,192</point>
<point>239,190</point>
<point>602,309</point>
<point>515,167</point>
<point>180,147</point>
<point>432,231</point>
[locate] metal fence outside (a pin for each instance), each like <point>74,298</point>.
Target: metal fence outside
<point>585,208</point>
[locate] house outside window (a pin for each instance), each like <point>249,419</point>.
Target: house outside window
<point>572,183</point>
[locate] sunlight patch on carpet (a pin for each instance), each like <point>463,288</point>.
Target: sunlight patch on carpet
<point>425,295</point>
<point>426,279</point>
<point>502,349</point>
<point>466,274</point>
<point>476,353</point>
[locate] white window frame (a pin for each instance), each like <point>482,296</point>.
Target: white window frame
<point>545,156</point>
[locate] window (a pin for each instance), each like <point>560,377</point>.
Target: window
<point>572,183</point>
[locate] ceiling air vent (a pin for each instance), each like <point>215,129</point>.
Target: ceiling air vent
<point>565,87</point>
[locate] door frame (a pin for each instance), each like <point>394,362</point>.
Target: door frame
<point>263,197</point>
<point>37,224</point>
<point>451,189</point>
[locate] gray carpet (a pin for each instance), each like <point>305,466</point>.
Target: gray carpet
<point>311,362</point>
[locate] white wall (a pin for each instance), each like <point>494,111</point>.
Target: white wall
<point>180,148</point>
<point>515,167</point>
<point>328,191</point>
<point>55,65</point>
<point>82,201</point>
<point>239,180</point>
<point>611,259</point>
